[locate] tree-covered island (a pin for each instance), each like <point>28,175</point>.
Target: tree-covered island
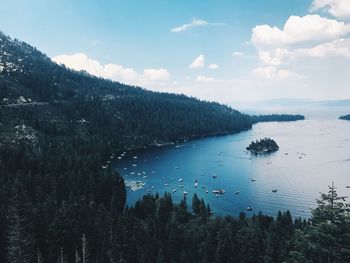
<point>264,145</point>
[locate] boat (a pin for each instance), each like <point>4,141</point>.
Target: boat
<point>185,193</point>
<point>181,180</point>
<point>166,184</point>
<point>274,190</point>
<point>249,208</point>
<point>174,190</point>
<point>236,192</point>
<point>206,191</point>
<point>219,191</point>
<point>134,164</point>
<point>181,185</point>
<point>253,179</point>
<point>135,157</point>
<point>152,186</point>
<point>195,184</point>
<point>217,195</point>
<point>348,186</point>
<point>176,167</point>
<point>144,177</point>
<point>203,186</point>
<point>153,172</point>
<point>215,176</point>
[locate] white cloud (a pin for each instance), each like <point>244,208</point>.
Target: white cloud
<point>213,66</point>
<point>198,62</point>
<point>337,48</point>
<point>194,23</point>
<point>156,74</point>
<point>237,54</point>
<point>337,8</point>
<point>273,73</point>
<point>201,78</point>
<point>299,29</point>
<point>273,57</point>
<point>81,61</point>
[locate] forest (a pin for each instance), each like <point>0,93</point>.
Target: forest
<point>58,126</point>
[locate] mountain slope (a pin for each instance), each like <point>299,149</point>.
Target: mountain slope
<point>31,84</point>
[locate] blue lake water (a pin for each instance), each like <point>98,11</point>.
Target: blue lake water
<point>312,154</point>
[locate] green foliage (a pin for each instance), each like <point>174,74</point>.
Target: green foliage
<point>264,145</point>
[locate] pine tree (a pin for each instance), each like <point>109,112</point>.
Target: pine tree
<point>20,227</point>
<point>196,204</point>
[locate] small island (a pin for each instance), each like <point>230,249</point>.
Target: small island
<point>345,117</point>
<point>265,145</point>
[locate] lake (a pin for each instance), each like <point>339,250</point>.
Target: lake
<point>312,154</point>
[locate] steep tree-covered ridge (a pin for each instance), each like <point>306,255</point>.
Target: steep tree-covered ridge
<point>58,126</point>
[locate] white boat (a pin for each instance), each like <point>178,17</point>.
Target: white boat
<point>153,172</point>
<point>185,193</point>
<point>181,180</point>
<point>166,184</point>
<point>236,192</point>
<point>181,185</point>
<point>144,177</point>
<point>206,191</point>
<point>195,184</point>
<point>253,179</point>
<point>174,190</point>
<point>249,208</point>
<point>219,191</point>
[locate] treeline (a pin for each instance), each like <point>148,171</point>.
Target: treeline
<point>277,117</point>
<point>98,228</point>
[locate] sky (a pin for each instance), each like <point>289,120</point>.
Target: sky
<point>218,50</point>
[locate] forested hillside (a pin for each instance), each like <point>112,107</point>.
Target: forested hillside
<point>57,128</point>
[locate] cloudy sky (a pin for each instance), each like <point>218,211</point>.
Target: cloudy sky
<point>220,50</point>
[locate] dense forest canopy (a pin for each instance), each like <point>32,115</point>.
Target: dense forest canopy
<point>58,126</point>
<point>264,145</point>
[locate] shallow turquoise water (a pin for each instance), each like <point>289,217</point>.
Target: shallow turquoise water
<point>312,154</point>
